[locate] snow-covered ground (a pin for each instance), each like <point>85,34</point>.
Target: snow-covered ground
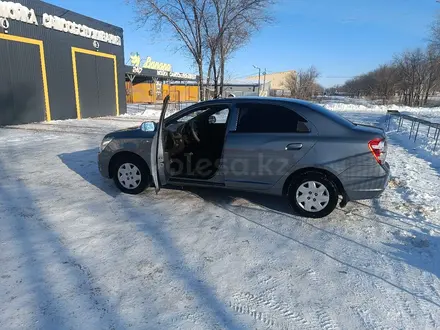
<point>152,111</point>
<point>77,254</point>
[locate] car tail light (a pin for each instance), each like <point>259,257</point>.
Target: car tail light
<point>378,148</point>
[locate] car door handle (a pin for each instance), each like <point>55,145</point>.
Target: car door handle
<point>294,146</point>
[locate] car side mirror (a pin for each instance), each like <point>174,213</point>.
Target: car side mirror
<point>148,126</point>
<point>212,120</point>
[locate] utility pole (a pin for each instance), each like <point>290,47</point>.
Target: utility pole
<point>264,83</point>
<point>259,78</point>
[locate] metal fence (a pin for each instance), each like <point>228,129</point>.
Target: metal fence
<point>415,125</point>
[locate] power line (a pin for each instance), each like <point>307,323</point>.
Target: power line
<point>246,76</point>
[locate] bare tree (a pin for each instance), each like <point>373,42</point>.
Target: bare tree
<point>413,75</point>
<point>233,24</point>
<point>213,27</point>
<point>318,90</point>
<point>360,86</point>
<point>435,34</point>
<point>385,82</point>
<point>432,74</point>
<point>185,18</point>
<point>233,39</point>
<point>210,46</point>
<point>303,85</point>
<point>334,90</point>
<point>411,68</point>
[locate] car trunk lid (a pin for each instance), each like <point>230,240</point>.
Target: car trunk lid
<point>370,129</point>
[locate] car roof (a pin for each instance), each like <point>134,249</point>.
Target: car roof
<point>281,100</point>
<point>273,100</point>
<point>258,99</point>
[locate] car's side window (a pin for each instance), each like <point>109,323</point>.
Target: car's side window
<point>221,117</point>
<point>219,114</point>
<point>192,114</point>
<point>268,118</point>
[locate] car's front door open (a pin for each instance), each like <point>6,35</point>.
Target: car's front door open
<point>159,158</point>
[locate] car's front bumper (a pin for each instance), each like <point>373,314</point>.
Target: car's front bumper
<point>103,163</point>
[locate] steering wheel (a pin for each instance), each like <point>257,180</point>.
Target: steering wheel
<point>193,129</point>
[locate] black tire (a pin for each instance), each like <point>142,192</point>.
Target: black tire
<point>142,170</point>
<point>322,180</point>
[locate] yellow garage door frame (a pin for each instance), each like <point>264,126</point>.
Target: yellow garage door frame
<point>39,43</point>
<point>75,75</point>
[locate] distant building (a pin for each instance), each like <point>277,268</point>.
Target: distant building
<point>237,88</point>
<point>273,84</point>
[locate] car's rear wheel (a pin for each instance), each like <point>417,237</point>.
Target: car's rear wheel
<point>131,175</point>
<point>313,195</point>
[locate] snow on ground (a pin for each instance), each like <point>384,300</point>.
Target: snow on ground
<point>365,106</point>
<point>152,111</point>
<point>77,254</point>
<point>424,145</point>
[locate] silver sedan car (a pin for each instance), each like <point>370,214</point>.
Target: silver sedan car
<point>274,146</point>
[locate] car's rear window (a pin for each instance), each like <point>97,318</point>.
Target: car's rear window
<point>332,115</point>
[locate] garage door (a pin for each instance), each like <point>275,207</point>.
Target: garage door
<point>22,89</point>
<point>96,84</point>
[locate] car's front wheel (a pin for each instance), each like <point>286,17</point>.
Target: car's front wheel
<point>131,175</point>
<point>313,195</point>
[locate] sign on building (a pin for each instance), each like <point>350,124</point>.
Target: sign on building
<point>136,61</point>
<point>18,12</point>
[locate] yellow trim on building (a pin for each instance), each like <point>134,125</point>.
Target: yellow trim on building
<point>75,75</point>
<point>38,43</point>
<point>75,85</point>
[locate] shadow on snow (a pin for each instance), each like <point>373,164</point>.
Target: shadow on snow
<point>409,251</point>
<point>40,251</point>
<point>84,163</point>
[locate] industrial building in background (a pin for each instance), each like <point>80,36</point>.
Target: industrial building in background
<point>273,84</point>
<point>265,84</point>
<point>56,64</point>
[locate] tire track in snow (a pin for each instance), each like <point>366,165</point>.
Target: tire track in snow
<point>408,302</point>
<point>428,315</point>
<point>325,320</point>
<point>251,311</point>
<point>420,285</point>
<point>367,320</point>
<point>434,283</point>
<point>367,296</point>
<point>270,311</point>
<point>310,273</point>
<point>269,282</point>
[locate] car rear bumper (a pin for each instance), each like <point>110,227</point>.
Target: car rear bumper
<point>355,195</point>
<point>368,187</point>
